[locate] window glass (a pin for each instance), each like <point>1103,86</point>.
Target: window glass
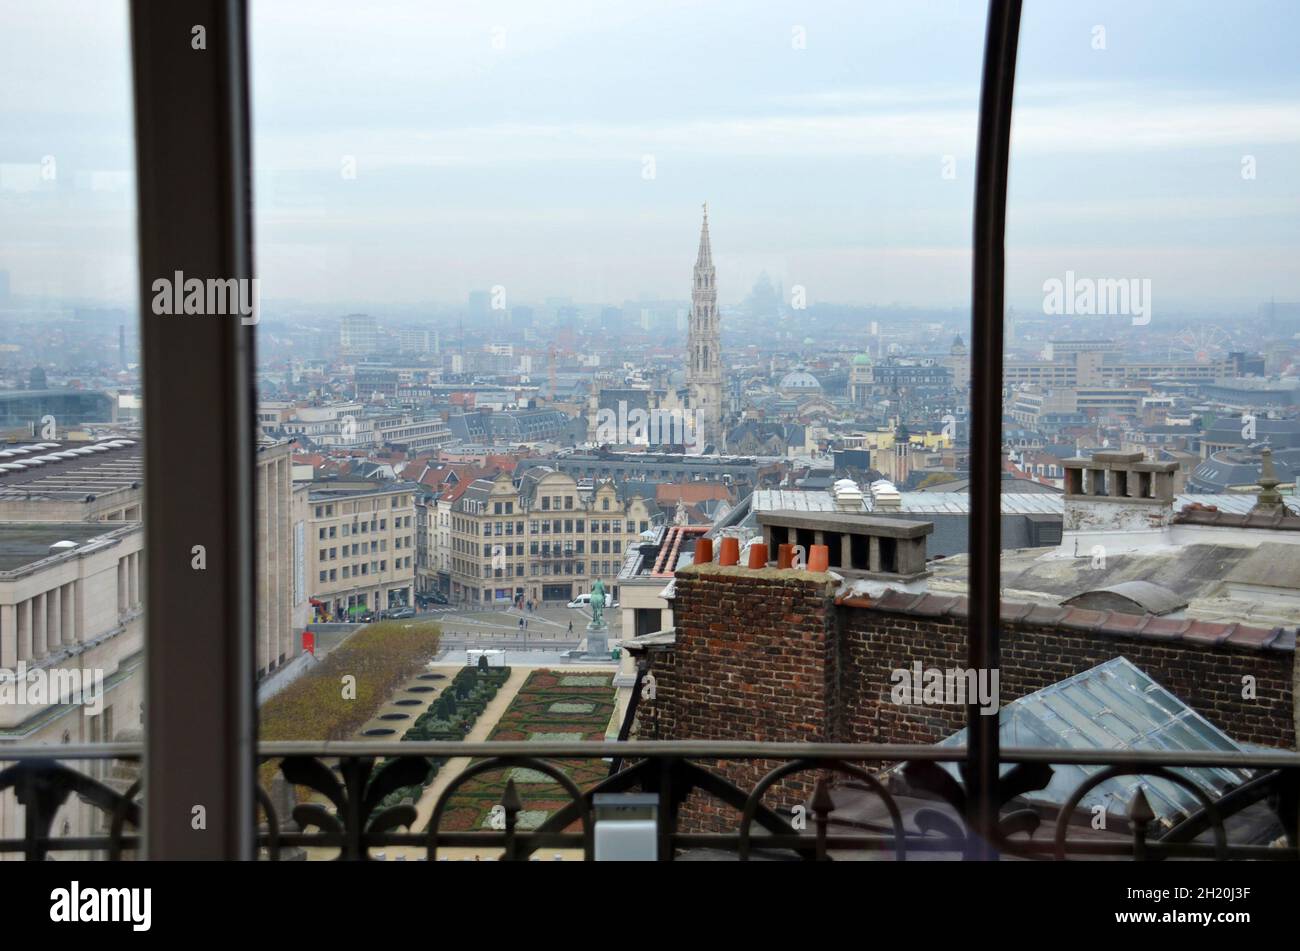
<point>651,266</point>
<point>72,632</point>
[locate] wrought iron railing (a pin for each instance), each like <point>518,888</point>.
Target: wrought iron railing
<point>347,784</point>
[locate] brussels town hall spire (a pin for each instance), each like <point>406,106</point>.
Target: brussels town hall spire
<point>704,346</point>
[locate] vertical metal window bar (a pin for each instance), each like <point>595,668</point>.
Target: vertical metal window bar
<point>987,293</point>
<point>190,70</point>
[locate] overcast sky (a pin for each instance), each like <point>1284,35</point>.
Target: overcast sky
<point>563,148</point>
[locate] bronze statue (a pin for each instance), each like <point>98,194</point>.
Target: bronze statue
<point>597,603</point>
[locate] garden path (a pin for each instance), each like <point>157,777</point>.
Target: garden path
<point>482,727</point>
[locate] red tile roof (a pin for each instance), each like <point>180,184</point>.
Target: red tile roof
<point>675,539</point>
<point>667,494</point>
<point>457,490</point>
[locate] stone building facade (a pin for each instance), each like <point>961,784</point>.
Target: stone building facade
<point>361,546</point>
<point>539,538</point>
<point>72,621</point>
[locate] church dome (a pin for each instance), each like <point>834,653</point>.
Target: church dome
<point>862,360</point>
<point>799,380</point>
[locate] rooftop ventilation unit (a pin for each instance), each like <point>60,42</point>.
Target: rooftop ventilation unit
<point>885,497</point>
<point>60,547</point>
<point>847,495</point>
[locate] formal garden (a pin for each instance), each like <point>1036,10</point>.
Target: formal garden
<point>450,718</point>
<point>551,706</point>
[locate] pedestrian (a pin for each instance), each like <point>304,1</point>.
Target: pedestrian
<point>521,623</point>
<point>570,627</point>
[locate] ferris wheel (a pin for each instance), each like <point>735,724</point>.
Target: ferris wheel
<point>1202,344</point>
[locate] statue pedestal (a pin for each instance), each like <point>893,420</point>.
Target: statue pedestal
<point>598,638</point>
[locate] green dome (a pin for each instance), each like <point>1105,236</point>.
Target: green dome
<point>862,360</point>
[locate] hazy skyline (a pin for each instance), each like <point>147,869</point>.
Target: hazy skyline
<point>506,144</point>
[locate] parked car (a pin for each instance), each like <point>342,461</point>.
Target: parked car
<point>399,614</point>
<point>584,601</point>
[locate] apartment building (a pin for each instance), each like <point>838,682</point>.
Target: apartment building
<point>426,544</point>
<point>440,516</point>
<point>358,334</point>
<point>539,538</point>
<point>361,540</point>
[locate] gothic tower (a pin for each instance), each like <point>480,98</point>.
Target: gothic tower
<point>704,347</point>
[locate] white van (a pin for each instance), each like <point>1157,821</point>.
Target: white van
<point>584,601</point>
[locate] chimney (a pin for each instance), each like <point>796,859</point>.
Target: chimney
<point>860,545</point>
<point>1118,491</point>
